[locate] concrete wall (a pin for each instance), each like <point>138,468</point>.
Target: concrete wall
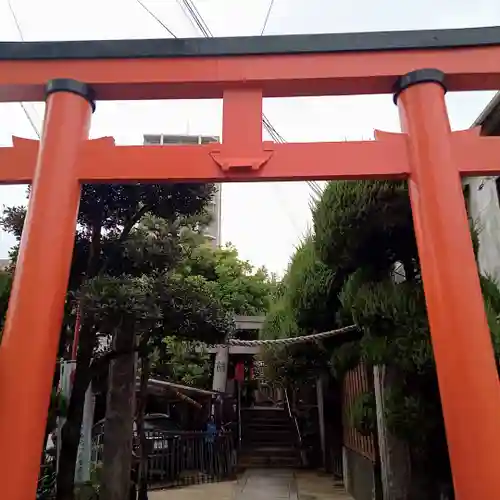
<point>360,477</point>
<point>484,209</point>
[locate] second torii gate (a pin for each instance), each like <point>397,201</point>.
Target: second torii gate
<point>416,66</point>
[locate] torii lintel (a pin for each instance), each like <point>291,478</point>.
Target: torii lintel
<point>101,161</point>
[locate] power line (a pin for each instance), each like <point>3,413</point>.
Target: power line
<point>271,130</point>
<point>275,135</point>
<point>193,14</point>
<point>191,11</point>
<point>32,123</point>
<point>18,26</point>
<point>271,5</point>
<point>156,18</point>
<point>20,32</point>
<point>187,14</point>
<point>197,17</point>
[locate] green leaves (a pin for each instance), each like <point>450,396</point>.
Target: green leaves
<point>167,302</point>
<point>184,362</point>
<point>310,286</point>
<point>363,223</point>
<point>235,283</point>
<point>342,274</point>
<point>110,303</point>
<point>363,414</point>
<point>394,321</point>
<point>491,294</point>
<point>5,284</point>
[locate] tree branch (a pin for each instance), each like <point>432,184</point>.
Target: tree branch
<point>127,228</point>
<point>94,250</point>
<point>98,363</point>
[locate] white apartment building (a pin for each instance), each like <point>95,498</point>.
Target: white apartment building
<point>213,230</point>
<point>482,196</point>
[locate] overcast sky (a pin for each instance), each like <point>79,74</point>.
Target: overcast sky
<point>264,221</point>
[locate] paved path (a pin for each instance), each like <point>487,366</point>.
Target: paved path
<point>317,486</point>
<point>262,484</point>
<point>267,484</point>
<point>210,491</point>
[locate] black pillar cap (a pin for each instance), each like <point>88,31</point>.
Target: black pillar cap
<point>73,86</point>
<point>418,76</point>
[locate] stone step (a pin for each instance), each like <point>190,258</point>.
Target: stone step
<point>267,450</point>
<point>269,422</point>
<point>272,424</point>
<point>270,430</point>
<point>268,434</point>
<point>264,416</point>
<point>251,460</point>
<point>264,413</point>
<point>282,427</point>
<point>265,436</point>
<point>268,439</point>
<point>259,442</point>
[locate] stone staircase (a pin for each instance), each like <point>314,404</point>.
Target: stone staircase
<point>268,439</point>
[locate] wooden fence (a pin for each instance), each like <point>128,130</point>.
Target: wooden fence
<point>356,382</point>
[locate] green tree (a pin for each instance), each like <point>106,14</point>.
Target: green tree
<point>236,283</point>
<point>128,236</point>
<point>208,286</point>
<point>363,237</point>
<point>109,242</point>
<point>238,287</point>
<point>139,311</point>
<point>302,305</point>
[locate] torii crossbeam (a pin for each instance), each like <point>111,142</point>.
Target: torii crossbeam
<point>416,66</point>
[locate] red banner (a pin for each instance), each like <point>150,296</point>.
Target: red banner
<point>239,372</point>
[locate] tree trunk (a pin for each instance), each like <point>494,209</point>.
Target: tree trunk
<point>141,410</point>
<point>70,435</point>
<point>118,426</point>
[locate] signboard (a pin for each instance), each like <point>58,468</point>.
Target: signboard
<point>82,471</point>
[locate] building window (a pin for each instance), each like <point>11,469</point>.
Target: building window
<point>152,139</point>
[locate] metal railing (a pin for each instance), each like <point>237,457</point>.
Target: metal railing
<point>183,458</point>
<point>296,422</point>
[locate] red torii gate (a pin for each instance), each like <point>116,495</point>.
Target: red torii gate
<point>416,66</point>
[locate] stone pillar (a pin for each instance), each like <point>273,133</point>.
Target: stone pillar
<point>394,454</point>
<point>220,369</point>
<point>82,470</point>
<point>320,382</point>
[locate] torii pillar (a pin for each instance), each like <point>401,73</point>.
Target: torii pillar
<point>449,273</point>
<point>38,293</point>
